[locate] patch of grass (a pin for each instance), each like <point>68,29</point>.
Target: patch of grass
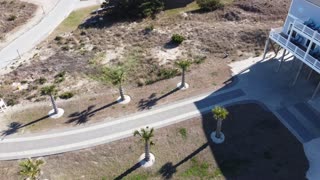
<point>183,132</point>
<point>190,7</point>
<point>137,177</point>
<point>197,169</point>
<point>74,20</point>
<point>199,59</point>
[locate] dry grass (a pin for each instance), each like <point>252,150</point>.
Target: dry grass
<point>13,14</point>
<point>235,31</point>
<point>256,146</point>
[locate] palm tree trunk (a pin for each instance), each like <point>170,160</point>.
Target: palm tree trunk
<point>121,92</point>
<point>147,151</point>
<point>54,104</point>
<point>183,78</point>
<point>218,131</point>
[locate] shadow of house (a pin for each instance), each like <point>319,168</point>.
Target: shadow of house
<point>257,144</point>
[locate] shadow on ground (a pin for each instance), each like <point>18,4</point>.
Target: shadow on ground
<point>14,127</point>
<point>257,144</point>
<point>84,116</point>
<point>153,99</point>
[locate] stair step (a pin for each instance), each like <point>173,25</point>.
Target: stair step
<point>295,125</point>
<point>309,113</point>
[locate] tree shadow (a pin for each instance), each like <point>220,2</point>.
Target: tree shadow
<point>168,169</point>
<point>84,116</point>
<point>152,100</point>
<point>14,127</point>
<point>129,171</point>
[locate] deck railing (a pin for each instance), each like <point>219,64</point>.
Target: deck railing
<point>310,33</point>
<point>295,50</point>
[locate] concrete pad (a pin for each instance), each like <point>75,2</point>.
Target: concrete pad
<point>186,86</point>
<point>126,100</point>
<point>57,115</point>
<point>217,140</point>
<point>145,163</point>
<point>312,151</point>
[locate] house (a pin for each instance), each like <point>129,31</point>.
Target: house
<point>300,35</point>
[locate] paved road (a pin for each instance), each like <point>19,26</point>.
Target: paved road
<point>78,138</point>
<point>31,38</point>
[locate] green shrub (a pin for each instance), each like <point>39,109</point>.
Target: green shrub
<point>66,95</point>
<point>48,90</point>
<point>183,132</point>
<point>177,38</point>
<point>209,5</point>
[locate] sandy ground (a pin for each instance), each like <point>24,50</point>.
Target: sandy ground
<point>43,7</point>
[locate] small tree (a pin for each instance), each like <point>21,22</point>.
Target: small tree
<point>31,169</point>
<point>219,114</point>
<point>209,5</point>
<point>51,91</point>
<point>116,76</point>
<point>184,65</point>
<point>146,135</point>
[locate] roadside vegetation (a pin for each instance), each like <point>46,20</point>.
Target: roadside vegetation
<point>190,155</point>
<point>75,58</point>
<point>13,14</point>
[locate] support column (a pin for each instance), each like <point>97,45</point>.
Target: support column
<point>316,91</point>
<point>298,74</point>
<point>310,73</point>
<point>266,48</point>
<point>281,60</point>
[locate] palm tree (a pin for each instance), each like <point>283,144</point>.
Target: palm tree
<point>184,65</point>
<point>146,135</point>
<point>51,91</point>
<point>30,169</point>
<point>219,114</point>
<point>116,76</point>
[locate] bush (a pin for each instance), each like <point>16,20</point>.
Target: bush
<point>66,95</point>
<point>209,5</point>
<point>48,90</point>
<point>177,38</point>
<point>60,77</point>
<point>12,18</point>
<point>149,28</point>
<point>134,8</point>
<point>12,102</point>
<point>58,38</point>
<point>41,80</point>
